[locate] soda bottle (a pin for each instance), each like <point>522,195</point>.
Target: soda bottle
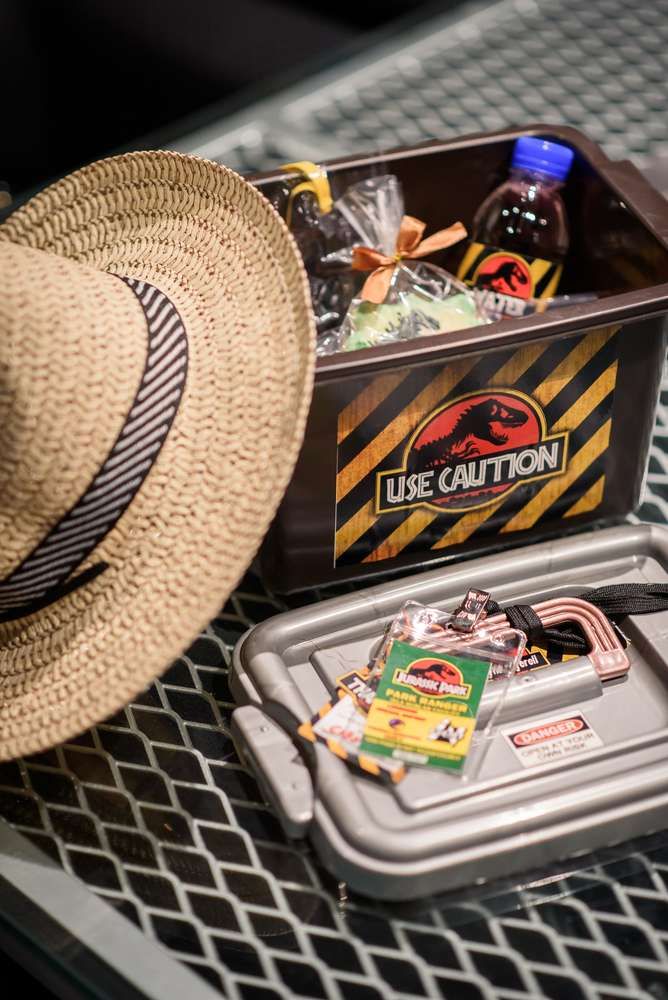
<point>520,232</point>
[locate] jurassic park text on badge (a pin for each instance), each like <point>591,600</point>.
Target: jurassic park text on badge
<point>469,452</point>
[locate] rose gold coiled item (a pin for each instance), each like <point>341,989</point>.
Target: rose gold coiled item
<point>605,653</point>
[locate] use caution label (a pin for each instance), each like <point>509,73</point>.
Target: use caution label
<point>553,738</point>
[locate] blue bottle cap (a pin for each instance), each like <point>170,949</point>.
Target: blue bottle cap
<point>549,158</point>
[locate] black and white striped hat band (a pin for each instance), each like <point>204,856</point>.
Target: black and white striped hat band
<point>45,574</point>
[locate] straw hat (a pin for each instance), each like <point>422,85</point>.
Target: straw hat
<point>156,363</point>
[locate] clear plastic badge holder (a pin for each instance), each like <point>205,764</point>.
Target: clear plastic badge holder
<point>439,692</point>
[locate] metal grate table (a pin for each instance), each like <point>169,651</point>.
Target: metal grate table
<point>153,812</point>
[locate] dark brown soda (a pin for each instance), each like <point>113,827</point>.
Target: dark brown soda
<point>525,215</point>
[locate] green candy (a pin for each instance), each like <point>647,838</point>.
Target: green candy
<point>454,313</point>
<point>371,323</point>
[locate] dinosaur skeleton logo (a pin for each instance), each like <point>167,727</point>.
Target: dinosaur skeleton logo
<point>471,451</point>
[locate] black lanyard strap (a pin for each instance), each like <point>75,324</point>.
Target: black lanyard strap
<point>616,601</point>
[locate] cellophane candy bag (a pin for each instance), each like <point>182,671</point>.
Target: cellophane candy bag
<point>422,298</point>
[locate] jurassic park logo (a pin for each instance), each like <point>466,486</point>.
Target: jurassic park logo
<point>503,284</point>
<point>505,273</point>
<point>436,678</point>
<point>471,451</point>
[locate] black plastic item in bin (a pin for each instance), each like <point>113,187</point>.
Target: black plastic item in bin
<point>589,372</point>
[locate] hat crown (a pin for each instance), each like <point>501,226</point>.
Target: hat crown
<point>68,372</point>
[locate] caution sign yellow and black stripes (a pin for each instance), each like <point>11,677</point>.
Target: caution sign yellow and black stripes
<point>369,400</point>
<point>493,444</point>
<point>583,420</point>
<point>379,440</point>
<point>588,501</point>
<point>391,435</point>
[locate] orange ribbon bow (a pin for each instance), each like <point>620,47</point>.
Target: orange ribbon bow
<point>410,246</point>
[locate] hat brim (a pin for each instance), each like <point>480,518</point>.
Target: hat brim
<point>215,246</point>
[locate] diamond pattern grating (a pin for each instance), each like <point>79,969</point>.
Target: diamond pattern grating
<point>154,812</point>
<point>655,507</point>
<point>600,66</point>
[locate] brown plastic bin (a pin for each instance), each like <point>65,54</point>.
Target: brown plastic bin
<point>560,405</point>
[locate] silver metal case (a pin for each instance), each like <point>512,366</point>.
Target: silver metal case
<point>432,832</point>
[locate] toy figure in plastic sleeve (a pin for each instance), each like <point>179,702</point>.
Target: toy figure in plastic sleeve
<point>324,238</point>
<point>403,296</point>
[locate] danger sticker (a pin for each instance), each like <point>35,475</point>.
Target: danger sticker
<point>551,739</point>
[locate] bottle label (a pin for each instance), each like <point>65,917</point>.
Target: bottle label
<point>505,283</point>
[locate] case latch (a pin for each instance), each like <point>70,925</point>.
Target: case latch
<point>280,772</point>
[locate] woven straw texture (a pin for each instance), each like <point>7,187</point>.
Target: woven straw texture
<point>72,347</point>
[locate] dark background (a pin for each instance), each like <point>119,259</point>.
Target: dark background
<point>82,78</point>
